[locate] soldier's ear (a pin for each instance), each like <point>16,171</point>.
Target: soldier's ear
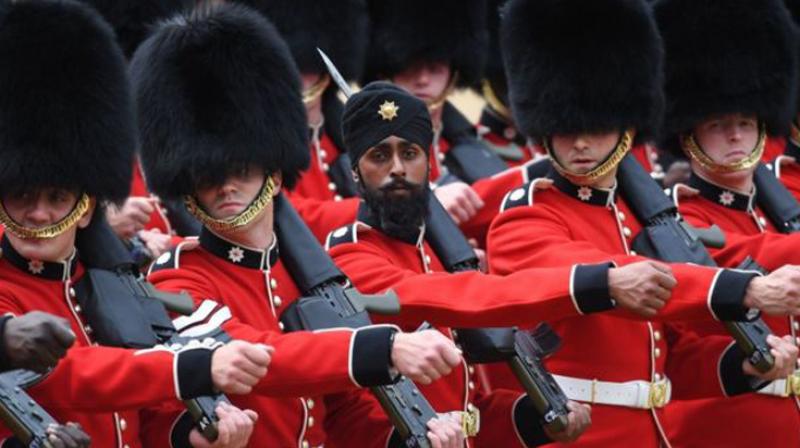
<point>277,180</point>
<point>87,217</point>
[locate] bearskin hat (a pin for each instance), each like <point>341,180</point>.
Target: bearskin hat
<point>409,31</point>
<point>66,111</point>
<point>338,27</point>
<point>494,71</point>
<point>727,56</point>
<point>578,66</point>
<point>133,19</point>
<point>217,90</point>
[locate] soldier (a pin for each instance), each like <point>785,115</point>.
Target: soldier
<point>719,118</point>
<point>223,127</point>
<point>50,183</point>
<point>582,109</point>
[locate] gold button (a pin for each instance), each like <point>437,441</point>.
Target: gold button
<point>126,446</point>
<point>441,157</point>
<point>310,403</point>
<point>471,407</point>
<point>305,444</point>
<point>310,421</point>
<point>796,325</point>
<point>621,216</point>
<point>471,385</point>
<point>658,377</point>
<point>337,198</point>
<point>273,283</point>
<point>634,253</point>
<point>657,352</point>
<point>471,370</point>
<point>762,221</point>
<point>323,154</point>
<point>77,308</point>
<point>280,325</point>
<point>657,335</point>
<point>626,231</point>
<point>123,425</point>
<point>88,329</point>
<point>427,259</point>
<point>332,186</point>
<point>277,301</point>
<point>72,292</point>
<point>325,167</point>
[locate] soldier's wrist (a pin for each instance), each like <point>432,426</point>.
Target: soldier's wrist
<point>371,356</point>
<point>731,296</point>
<point>5,360</point>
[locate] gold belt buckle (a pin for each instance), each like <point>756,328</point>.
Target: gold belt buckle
<point>658,395</point>
<point>793,385</point>
<point>471,421</point>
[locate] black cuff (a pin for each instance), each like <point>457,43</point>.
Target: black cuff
<point>528,423</point>
<point>372,356</point>
<point>5,362</point>
<point>179,436</point>
<point>590,288</point>
<point>194,373</point>
<point>727,297</point>
<point>732,377</point>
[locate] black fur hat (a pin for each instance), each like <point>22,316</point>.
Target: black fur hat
<point>580,66</point>
<point>133,19</point>
<point>407,31</point>
<point>66,109</point>
<point>726,56</point>
<point>338,27</point>
<point>217,90</point>
<point>495,71</point>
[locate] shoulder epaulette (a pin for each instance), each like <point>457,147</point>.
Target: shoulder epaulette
<point>342,235</point>
<point>523,196</point>
<point>171,259</point>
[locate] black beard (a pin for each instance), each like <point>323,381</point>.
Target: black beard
<point>398,217</point>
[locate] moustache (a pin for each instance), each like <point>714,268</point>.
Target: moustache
<point>400,183</point>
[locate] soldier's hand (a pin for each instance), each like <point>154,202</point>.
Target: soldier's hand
<point>235,427</point>
<point>642,288</point>
<point>445,431</point>
<point>785,353</point>
<point>238,366</point>
<point>37,340</point>
<point>460,201</point>
<point>578,421</point>
<point>424,356</point>
<point>157,243</point>
<point>70,435</point>
<point>678,172</point>
<point>776,294</point>
<point>131,218</point>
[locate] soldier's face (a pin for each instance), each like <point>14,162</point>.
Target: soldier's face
<point>425,80</point>
<point>581,153</point>
<point>232,196</point>
<point>37,209</point>
<point>727,139</point>
<point>393,166</point>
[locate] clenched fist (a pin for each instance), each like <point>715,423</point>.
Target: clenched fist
<point>460,201</point>
<point>36,341</point>
<point>776,294</point>
<point>785,353</point>
<point>238,366</point>
<point>234,428</point>
<point>578,421</point>
<point>642,288</point>
<point>424,356</point>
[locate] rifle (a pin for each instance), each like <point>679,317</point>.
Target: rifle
<point>776,201</point>
<point>327,304</point>
<point>468,158</point>
<point>23,416</point>
<point>524,351</point>
<point>124,310</point>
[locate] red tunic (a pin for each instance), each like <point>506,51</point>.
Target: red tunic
<point>245,291</point>
<point>752,419</point>
<point>505,140</point>
<point>102,388</point>
<point>567,224</point>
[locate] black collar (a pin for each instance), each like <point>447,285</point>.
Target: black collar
<point>237,254</point>
<point>499,127</point>
<point>61,271</point>
<point>366,216</point>
<point>723,196</point>
<point>589,195</point>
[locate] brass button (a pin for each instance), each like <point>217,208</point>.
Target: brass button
<point>123,425</point>
<point>621,216</point>
<point>325,167</point>
<point>471,385</point>
<point>88,329</point>
<point>332,186</point>
<point>77,308</point>
<point>471,370</point>
<point>471,407</point>
<point>427,259</point>
<point>657,352</point>
<point>310,421</point>
<point>796,325</point>
<point>634,253</point>
<point>658,377</point>
<point>323,154</point>
<point>657,335</point>
<point>280,325</point>
<point>441,157</point>
<point>273,284</point>
<point>310,403</point>
<point>306,444</point>
<point>626,231</point>
<point>337,198</point>
<point>72,292</point>
<point>277,301</point>
<point>762,221</point>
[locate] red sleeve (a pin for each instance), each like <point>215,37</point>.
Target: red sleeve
<point>701,292</point>
<point>324,216</point>
<point>356,419</point>
<point>492,191</point>
<point>304,363</point>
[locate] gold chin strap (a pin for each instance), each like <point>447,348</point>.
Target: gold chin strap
<point>691,148</point>
<point>51,231</point>
<point>437,103</point>
<point>242,219</point>
<point>312,93</point>
<point>623,147</point>
<point>494,101</point>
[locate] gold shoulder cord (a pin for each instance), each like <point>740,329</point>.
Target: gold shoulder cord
<point>242,219</point>
<point>51,231</point>
<point>690,147</point>
<point>494,102</point>
<point>623,147</point>
<point>315,91</point>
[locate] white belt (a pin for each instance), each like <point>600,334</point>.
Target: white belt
<point>631,394</point>
<point>787,387</point>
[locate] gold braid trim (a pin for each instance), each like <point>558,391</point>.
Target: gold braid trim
<point>690,147</point>
<point>623,147</point>
<point>312,93</point>
<point>242,219</point>
<point>494,101</point>
<point>47,232</point>
<point>437,103</point>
